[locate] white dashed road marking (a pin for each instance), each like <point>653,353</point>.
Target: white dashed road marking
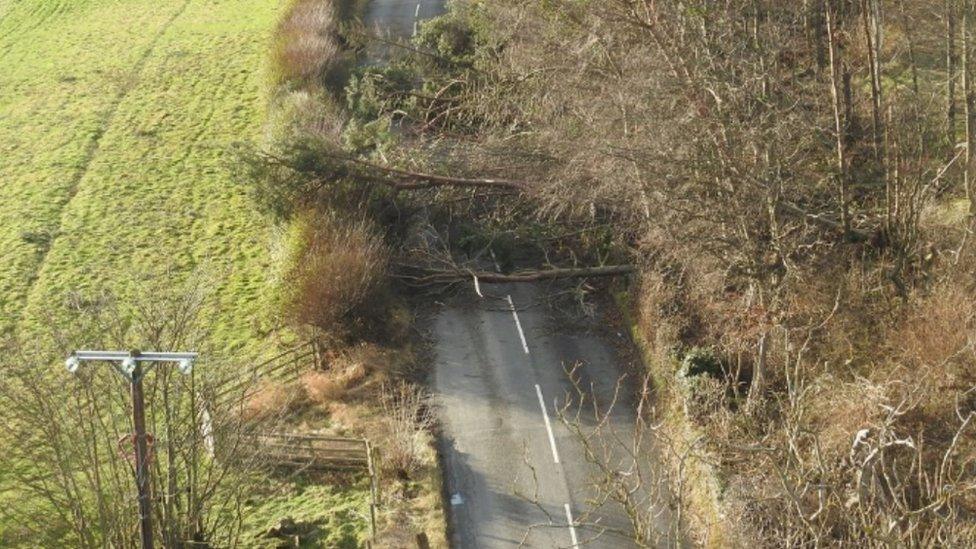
<point>572,527</point>
<point>545,417</point>
<point>518,324</point>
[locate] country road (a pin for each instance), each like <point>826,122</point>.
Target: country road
<point>399,18</point>
<point>514,474</point>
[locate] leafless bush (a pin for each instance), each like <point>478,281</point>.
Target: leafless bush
<point>408,420</point>
<point>862,462</point>
<point>336,280</point>
<point>889,488</point>
<point>307,47</point>
<point>67,459</point>
<point>635,467</point>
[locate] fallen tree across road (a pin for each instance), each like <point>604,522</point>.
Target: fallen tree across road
<point>460,275</point>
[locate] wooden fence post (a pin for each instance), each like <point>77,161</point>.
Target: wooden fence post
<point>373,488</point>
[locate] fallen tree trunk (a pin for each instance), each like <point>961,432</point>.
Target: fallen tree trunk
<point>398,179</point>
<point>407,180</point>
<point>460,275</point>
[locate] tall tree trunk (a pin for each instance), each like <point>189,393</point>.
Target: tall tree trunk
<point>758,15</point>
<point>891,173</point>
<point>817,34</point>
<point>906,23</point>
<point>967,86</point>
<point>871,19</point>
<point>950,41</point>
<point>835,93</point>
<point>757,386</point>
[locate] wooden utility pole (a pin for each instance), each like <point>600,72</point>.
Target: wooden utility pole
<point>129,364</point>
<point>142,458</point>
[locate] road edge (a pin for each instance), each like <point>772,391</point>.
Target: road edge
<point>708,517</point>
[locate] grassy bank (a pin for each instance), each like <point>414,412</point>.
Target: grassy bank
<point>117,119</point>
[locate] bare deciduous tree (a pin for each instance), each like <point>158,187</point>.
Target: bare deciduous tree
<point>69,452</point>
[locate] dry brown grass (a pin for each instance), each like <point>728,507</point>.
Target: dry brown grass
<point>352,385</point>
<point>935,345</point>
<point>333,385</point>
<point>273,399</point>
<point>939,331</point>
<point>307,113</point>
<point>839,409</point>
<point>656,309</point>
<point>323,387</point>
<point>360,400</point>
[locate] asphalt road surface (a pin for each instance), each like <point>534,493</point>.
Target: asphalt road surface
<point>515,474</point>
<point>400,18</point>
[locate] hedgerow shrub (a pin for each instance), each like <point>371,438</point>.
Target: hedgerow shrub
<point>335,283</point>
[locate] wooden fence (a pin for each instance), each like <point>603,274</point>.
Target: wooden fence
<point>315,452</point>
<point>284,367</point>
<point>294,450</point>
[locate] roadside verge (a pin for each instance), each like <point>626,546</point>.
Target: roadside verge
<point>334,285</point>
<point>700,483</point>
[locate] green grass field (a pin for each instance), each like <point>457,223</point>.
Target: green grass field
<point>116,118</point>
<point>116,124</point>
